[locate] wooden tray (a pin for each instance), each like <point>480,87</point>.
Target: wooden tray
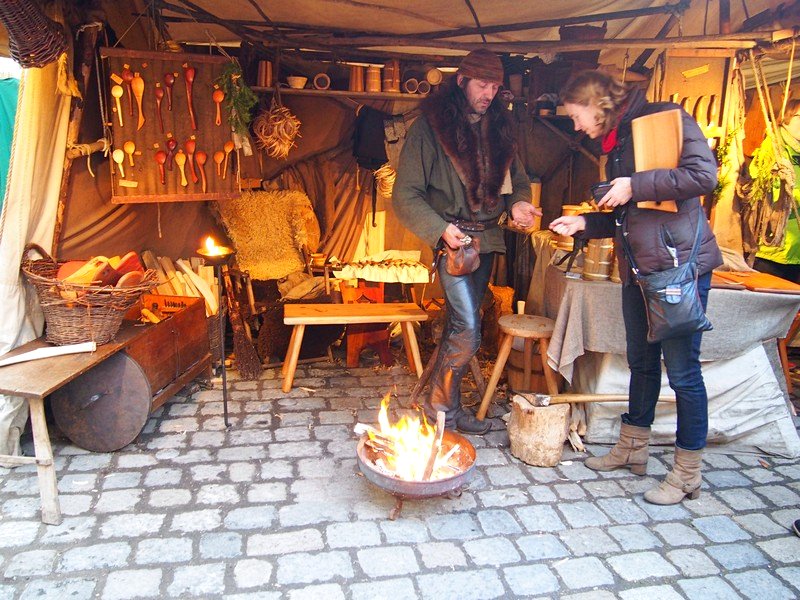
<point>760,282</point>
<point>657,144</point>
<point>724,284</point>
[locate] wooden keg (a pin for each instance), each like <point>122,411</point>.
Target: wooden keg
<point>391,76</point>
<point>565,242</point>
<point>515,372</point>
<point>615,271</point>
<point>373,78</point>
<point>598,257</point>
<point>356,83</point>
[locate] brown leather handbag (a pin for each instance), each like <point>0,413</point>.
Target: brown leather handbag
<point>462,260</point>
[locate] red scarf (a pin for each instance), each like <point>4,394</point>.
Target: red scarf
<point>609,141</point>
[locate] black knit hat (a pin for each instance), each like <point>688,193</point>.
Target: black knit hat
<point>482,64</point>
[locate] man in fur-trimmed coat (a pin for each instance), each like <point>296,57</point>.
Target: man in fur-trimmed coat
<point>458,172</point>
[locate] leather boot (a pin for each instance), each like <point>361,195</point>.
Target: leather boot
<point>684,479</point>
<point>631,450</point>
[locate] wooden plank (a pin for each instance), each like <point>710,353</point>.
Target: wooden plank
<point>172,279</point>
<point>657,144</point>
<point>151,262</point>
<point>719,282</point>
<point>760,282</point>
<point>342,314</point>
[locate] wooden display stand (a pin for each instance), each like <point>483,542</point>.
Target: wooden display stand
<point>170,354</point>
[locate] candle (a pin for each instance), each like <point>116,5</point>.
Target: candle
<point>211,248</point>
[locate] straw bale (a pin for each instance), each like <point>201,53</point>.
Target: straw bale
<point>268,229</point>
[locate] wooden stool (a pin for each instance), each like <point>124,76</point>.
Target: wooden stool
<point>528,327</point>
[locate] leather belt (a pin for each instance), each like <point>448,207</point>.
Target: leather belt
<point>475,226</point>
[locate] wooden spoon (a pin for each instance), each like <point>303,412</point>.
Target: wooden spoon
<point>161,158</point>
<point>189,146</point>
<point>127,77</point>
<point>137,83</point>
<point>119,158</point>
<point>201,158</point>
<point>218,96</point>
<point>129,148</point>
<point>188,75</point>
<point>169,79</point>
<point>117,91</point>
<point>159,92</point>
<point>219,156</point>
<point>180,160</point>
<point>172,143</point>
<point>228,147</point>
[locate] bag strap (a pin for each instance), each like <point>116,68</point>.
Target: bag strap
<point>627,249</point>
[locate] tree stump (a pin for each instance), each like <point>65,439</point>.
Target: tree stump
<point>537,433</point>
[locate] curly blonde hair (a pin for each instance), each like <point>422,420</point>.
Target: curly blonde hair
<point>593,88</point>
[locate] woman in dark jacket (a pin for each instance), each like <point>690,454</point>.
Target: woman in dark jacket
<point>604,108</point>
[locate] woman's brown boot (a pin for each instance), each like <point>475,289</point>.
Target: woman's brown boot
<point>631,451</point>
<point>684,479</point>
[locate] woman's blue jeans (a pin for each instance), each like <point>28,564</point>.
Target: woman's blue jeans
<point>682,359</point>
<point>461,337</point>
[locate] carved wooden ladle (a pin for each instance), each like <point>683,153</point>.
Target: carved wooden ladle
<point>188,75</point>
<point>169,80</point>
<point>159,92</point>
<point>137,83</point>
<point>117,91</point>
<point>161,158</point>
<point>201,158</point>
<point>180,160</point>
<point>189,146</point>
<point>172,144</point>
<point>219,156</point>
<point>218,96</point>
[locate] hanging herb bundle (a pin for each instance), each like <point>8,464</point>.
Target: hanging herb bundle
<point>240,99</point>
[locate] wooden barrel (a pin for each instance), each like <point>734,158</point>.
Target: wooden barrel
<point>356,79</point>
<point>615,271</point>
<point>565,242</point>
<point>597,259</point>
<point>391,76</point>
<point>410,86</point>
<point>373,78</point>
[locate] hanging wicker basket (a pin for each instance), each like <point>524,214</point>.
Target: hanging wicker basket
<point>79,313</point>
<point>34,39</point>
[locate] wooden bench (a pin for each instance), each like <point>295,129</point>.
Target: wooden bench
<point>300,315</point>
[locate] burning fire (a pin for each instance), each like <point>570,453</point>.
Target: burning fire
<point>412,439</point>
<point>212,249</point>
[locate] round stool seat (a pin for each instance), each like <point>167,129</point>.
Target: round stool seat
<point>526,326</point>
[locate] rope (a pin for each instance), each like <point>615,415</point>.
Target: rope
<point>788,79</point>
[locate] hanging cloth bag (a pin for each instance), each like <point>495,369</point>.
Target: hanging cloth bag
<point>671,298</point>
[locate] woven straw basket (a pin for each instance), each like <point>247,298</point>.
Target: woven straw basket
<point>79,313</point>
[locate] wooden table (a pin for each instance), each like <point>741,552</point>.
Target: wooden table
<point>300,315</point>
<point>36,379</point>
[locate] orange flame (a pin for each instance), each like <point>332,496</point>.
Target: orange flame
<point>412,438</point>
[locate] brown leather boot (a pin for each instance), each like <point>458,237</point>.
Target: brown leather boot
<point>684,479</point>
<point>631,451</point>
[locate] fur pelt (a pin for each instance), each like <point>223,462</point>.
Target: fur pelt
<point>481,164</point>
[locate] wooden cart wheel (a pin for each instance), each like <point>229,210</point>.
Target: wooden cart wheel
<point>106,408</point>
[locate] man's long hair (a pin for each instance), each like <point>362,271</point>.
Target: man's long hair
<point>456,110</point>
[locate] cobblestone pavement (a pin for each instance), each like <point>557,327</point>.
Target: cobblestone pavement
<point>274,508</point>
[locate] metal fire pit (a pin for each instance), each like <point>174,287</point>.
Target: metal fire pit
<point>415,490</point>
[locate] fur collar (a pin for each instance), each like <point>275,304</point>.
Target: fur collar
<point>483,165</point>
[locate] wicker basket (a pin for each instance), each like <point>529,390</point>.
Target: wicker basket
<point>79,313</point>
<point>214,334</point>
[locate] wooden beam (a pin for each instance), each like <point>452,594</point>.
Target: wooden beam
<point>724,16</point>
<point>638,64</point>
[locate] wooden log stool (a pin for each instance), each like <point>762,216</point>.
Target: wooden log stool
<point>529,328</point>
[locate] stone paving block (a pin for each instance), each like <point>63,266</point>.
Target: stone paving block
<point>464,585</point>
<point>569,491</point>
<point>638,566</point>
<point>162,476</point>
<point>252,572</point>
<point>531,580</point>
<point>74,589</point>
<point>591,540</point>
<point>538,518</point>
<point>778,495</point>
<point>542,474</point>
<point>603,489</point>
<point>675,512</point>
<point>134,461</point>
<point>506,475</point>
<point>132,583</point>
<point>198,580</point>
<point>388,561</point>
<point>77,529</point>
<point>453,527</point>
<point>31,563</point>
<point>692,562</point>
<point>576,470</point>
<point>496,522</point>
<point>390,589</point>
<point>717,460</point>
<point>736,556</point>
<point>759,524</point>
<point>707,587</point>
<point>741,499</point>
<point>352,535</point>
<point>311,513</point>
<point>492,551</point>
<point>720,529</point>
<point>329,591</point>
<point>790,471</point>
<point>437,555</point>
<point>169,497</point>
<point>223,544</point>
<point>503,497</point>
<point>94,557</point>
<point>17,533</point>
<point>264,493</point>
<point>118,501</point>
<point>28,508</point>
<point>790,574</point>
<point>242,453</point>
<point>197,520</point>
<point>634,537</point>
<point>218,494</point>
<point>304,540</point>
<point>294,568</point>
<point>242,471</point>
<point>209,473</point>
<point>70,484</point>
<point>655,592</point>
<point>707,505</point>
<point>785,517</point>
<point>157,550</point>
<point>579,573</point>
<point>726,479</point>
<point>785,550</point>
<point>250,517</point>
<point>122,479</point>
<point>583,514</point>
<point>538,547</point>
<point>593,595</point>
<point>293,434</point>
<point>90,462</point>
<point>277,469</point>
<point>760,585</point>
<point>405,531</point>
<point>678,534</point>
<point>542,493</point>
<point>622,510</point>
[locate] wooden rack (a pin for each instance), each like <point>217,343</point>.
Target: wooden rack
<point>343,94</point>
